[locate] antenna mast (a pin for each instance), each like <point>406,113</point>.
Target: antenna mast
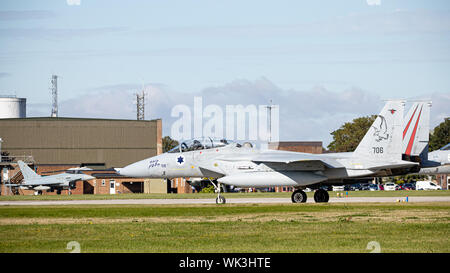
<point>140,104</point>
<point>54,96</point>
<point>269,109</point>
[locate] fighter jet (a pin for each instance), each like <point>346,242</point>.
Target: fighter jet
<point>229,163</point>
<point>416,131</point>
<point>51,182</point>
<point>438,162</point>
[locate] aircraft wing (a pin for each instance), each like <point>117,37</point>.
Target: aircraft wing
<point>209,171</point>
<point>297,158</point>
<point>279,162</point>
<point>43,182</point>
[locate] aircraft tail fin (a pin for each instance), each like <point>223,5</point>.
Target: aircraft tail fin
<point>27,172</point>
<point>384,138</point>
<point>416,129</point>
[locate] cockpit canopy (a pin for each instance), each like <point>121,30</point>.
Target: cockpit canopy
<point>78,170</point>
<point>201,144</point>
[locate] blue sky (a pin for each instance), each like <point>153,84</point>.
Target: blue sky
<point>393,49</point>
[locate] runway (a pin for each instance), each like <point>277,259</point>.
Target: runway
<point>229,201</point>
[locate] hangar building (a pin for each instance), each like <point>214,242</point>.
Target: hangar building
<point>103,142</point>
<point>51,145</point>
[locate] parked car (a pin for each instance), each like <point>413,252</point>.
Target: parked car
<point>325,187</point>
<point>365,187</point>
<point>390,186</point>
<point>374,187</point>
<point>409,186</point>
<point>355,187</point>
<point>427,185</point>
<point>338,188</point>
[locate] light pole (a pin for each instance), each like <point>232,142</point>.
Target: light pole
<point>1,140</point>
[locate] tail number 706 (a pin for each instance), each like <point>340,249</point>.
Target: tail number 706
<point>377,150</point>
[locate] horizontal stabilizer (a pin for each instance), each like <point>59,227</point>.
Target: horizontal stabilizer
<point>401,164</point>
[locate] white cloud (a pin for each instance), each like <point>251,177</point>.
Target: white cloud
<point>73,2</point>
<point>373,22</point>
<point>304,114</point>
<point>14,15</point>
<point>373,2</point>
<point>58,33</point>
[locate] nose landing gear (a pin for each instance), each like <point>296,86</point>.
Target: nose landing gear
<point>219,199</point>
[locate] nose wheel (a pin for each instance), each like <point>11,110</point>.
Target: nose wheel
<point>219,199</point>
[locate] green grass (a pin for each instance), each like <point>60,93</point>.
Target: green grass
<point>228,237</point>
<point>398,227</point>
<point>213,195</point>
<point>135,211</point>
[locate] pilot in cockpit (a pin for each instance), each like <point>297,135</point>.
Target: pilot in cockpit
<point>197,145</point>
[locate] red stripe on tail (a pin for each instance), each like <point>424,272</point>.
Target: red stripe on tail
<point>411,140</point>
<point>409,122</point>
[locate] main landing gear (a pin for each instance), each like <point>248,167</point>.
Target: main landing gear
<point>320,196</point>
<point>298,196</point>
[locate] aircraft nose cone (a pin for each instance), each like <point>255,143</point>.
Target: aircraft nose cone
<point>137,169</point>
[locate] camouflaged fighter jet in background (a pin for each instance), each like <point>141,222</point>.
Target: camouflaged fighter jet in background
<point>62,181</point>
<point>378,154</point>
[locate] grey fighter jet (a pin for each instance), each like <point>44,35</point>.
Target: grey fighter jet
<point>51,182</point>
<point>416,139</point>
<point>378,154</point>
<point>438,162</point>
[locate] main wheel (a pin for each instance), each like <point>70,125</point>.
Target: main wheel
<point>321,196</point>
<point>220,200</point>
<point>298,196</point>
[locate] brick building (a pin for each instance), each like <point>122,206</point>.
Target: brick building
<point>312,147</point>
<point>179,185</point>
<point>443,180</point>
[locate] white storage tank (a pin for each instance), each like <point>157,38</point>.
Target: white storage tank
<point>13,107</point>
